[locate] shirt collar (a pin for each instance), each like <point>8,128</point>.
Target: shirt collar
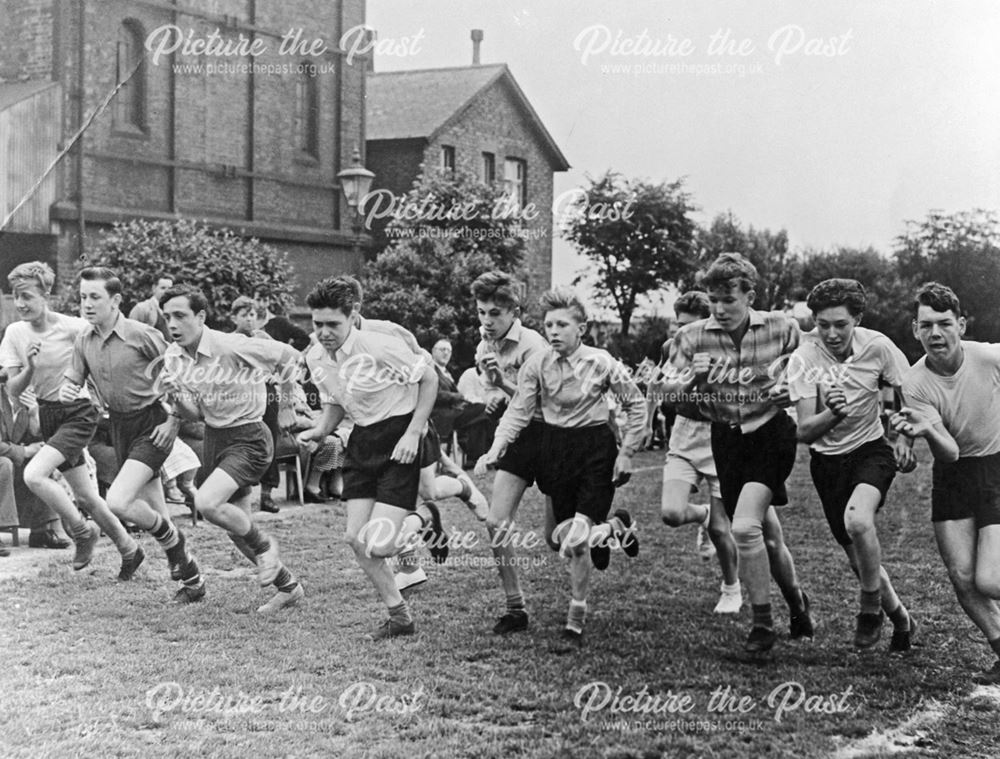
<point>118,328</point>
<point>756,320</point>
<point>513,334</point>
<point>206,345</point>
<point>347,348</point>
<point>576,356</point>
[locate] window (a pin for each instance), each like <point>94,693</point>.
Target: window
<point>307,110</point>
<point>515,176</point>
<point>130,69</point>
<point>489,168</point>
<point>447,158</point>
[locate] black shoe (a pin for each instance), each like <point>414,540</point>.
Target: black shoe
<point>572,637</point>
<point>801,624</point>
<point>512,621</point>
<point>600,555</point>
<point>129,565</point>
<point>313,496</point>
<point>869,629</point>
<point>47,539</point>
<point>902,640</point>
<point>189,595</point>
<point>760,640</point>
<point>628,539</point>
<point>990,676</point>
<point>434,534</point>
<point>267,503</point>
<point>390,629</point>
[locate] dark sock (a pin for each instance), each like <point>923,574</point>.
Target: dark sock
<point>794,600</point>
<point>762,616</point>
<point>995,645</point>
<point>170,538</point>
<point>258,543</point>
<point>80,531</point>
<point>285,581</point>
<point>400,614</point>
<point>900,618</point>
<point>244,549</point>
<point>515,602</point>
<point>871,601</point>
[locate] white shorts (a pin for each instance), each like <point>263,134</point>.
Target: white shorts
<point>181,459</point>
<point>689,457</point>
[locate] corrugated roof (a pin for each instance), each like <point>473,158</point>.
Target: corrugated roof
<point>15,92</point>
<point>417,104</point>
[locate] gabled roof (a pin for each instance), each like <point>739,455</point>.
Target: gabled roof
<point>420,104</point>
<point>15,92</point>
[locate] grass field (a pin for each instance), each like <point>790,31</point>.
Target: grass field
<point>93,668</point>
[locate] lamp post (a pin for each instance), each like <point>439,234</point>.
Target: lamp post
<point>355,183</point>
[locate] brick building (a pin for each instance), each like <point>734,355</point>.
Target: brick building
<point>208,136</point>
<point>474,118</point>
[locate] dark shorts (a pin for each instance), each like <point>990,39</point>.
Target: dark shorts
<point>578,470</point>
<point>131,436</point>
<point>69,428</point>
<point>523,456</point>
<point>765,455</point>
<point>430,447</point>
<point>370,473</point>
<point>244,453</point>
<point>836,476</point>
<point>967,488</point>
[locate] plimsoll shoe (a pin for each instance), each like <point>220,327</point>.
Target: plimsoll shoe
<point>390,629</point>
<point>868,630</point>
<point>990,676</point>
<point>730,600</point>
<point>434,535</point>
<point>802,625</point>
<point>902,640</point>
<point>130,564</point>
<point>628,539</point>
<point>85,547</point>
<point>47,539</point>
<point>512,621</point>
<point>189,595</point>
<point>282,600</point>
<point>405,580</point>
<point>476,501</point>
<point>760,640</point>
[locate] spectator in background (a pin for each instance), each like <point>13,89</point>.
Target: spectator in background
<point>476,436</point>
<point>244,313</point>
<point>277,326</point>
<point>452,412</point>
<point>148,311</point>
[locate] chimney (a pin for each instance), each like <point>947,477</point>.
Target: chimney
<point>477,38</point>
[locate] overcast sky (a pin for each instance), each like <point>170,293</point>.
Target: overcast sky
<point>894,111</point>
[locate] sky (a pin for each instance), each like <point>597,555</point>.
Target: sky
<point>835,121</point>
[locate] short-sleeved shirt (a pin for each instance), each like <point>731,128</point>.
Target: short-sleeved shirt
<point>53,358</point>
<point>373,376</point>
<point>124,365</point>
<point>571,393</point>
<point>737,387</point>
<point>967,402</point>
<point>226,377</point>
<point>874,361</point>
<point>511,351</point>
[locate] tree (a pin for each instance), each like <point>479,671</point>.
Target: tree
<point>888,295</point>
<point>778,269</point>
<point>456,228</point>
<point>961,250</point>
<point>218,261</point>
<point>637,234</point>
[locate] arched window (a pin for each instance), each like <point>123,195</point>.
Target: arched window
<point>307,110</point>
<point>130,67</point>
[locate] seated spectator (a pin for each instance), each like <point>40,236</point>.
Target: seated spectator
<point>149,311</point>
<point>327,457</point>
<point>277,326</point>
<point>452,413</point>
<point>475,437</point>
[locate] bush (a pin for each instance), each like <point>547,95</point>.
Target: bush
<point>218,261</point>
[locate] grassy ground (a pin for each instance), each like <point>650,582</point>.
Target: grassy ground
<point>94,668</point>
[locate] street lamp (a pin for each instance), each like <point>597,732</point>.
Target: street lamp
<point>355,182</point>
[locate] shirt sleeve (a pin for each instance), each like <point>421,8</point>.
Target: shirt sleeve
<point>78,370</point>
<point>264,355</point>
<point>631,400</point>
<point>405,364</point>
<point>796,371</point>
<point>915,397</point>
<point>521,409</point>
<point>10,352</point>
<point>894,363</point>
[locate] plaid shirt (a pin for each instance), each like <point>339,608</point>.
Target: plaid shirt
<point>735,391</point>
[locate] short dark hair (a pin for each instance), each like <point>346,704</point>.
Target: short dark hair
<point>939,297</point>
<point>242,303</point>
<point>730,270</point>
<point>112,284</point>
<point>498,287</point>
<point>196,298</point>
<point>831,293</point>
<point>693,302</point>
<point>563,298</point>
<point>343,293</point>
